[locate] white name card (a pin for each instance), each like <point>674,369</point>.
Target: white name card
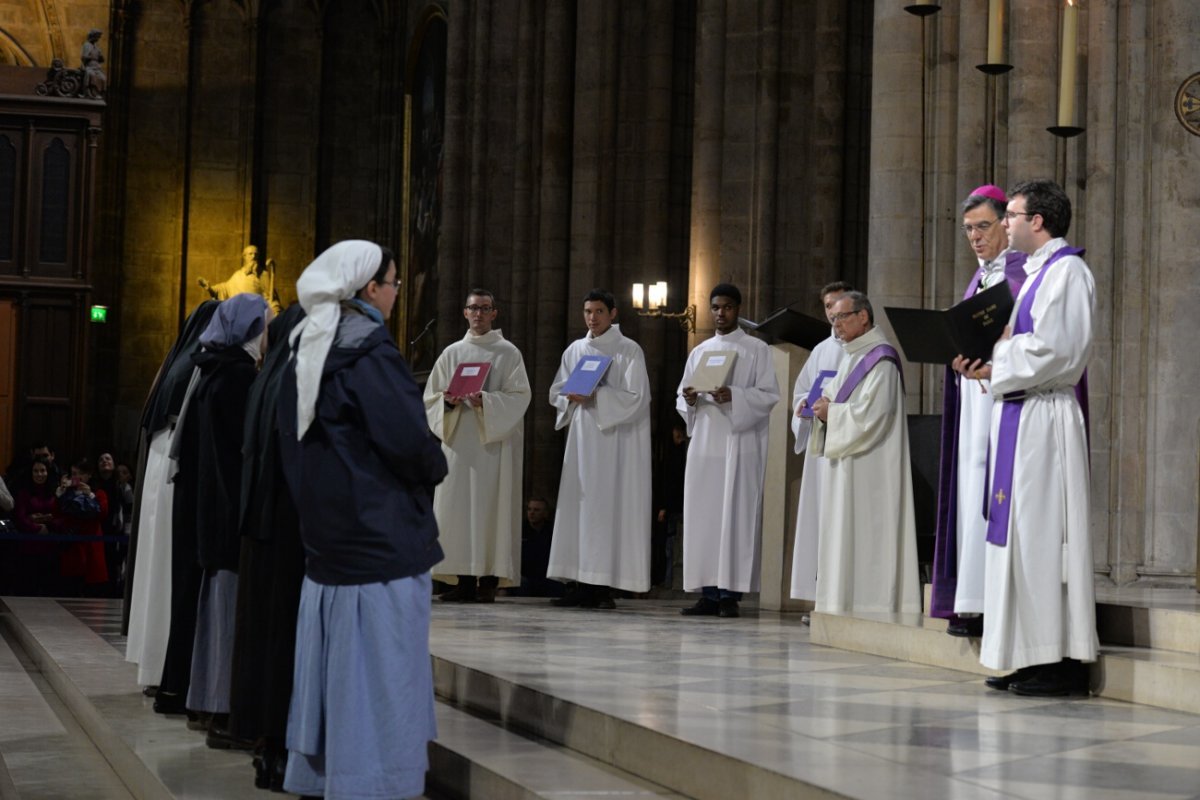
<point>716,361</point>
<point>590,366</point>
<point>470,372</point>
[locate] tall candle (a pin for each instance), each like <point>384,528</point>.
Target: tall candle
<point>1066,87</point>
<point>995,50</point>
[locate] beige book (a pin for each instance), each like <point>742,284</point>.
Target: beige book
<point>714,370</point>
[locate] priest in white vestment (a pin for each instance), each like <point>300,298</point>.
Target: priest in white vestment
<point>822,364</point>
<point>478,505</point>
<point>867,558</point>
<point>602,527</point>
<point>726,461</point>
<point>959,546</point>
<point>1039,592</point>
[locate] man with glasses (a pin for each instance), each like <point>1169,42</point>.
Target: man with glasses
<point>478,505</point>
<point>1039,595</point>
<point>868,539</point>
<point>966,420</point>
<point>726,462</point>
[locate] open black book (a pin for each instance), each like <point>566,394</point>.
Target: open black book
<point>971,328</point>
<point>793,327</point>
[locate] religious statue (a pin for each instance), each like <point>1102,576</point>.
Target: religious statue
<point>89,81</point>
<point>95,81</point>
<point>250,278</point>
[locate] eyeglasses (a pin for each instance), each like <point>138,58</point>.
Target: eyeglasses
<point>1015,214</point>
<point>982,227</point>
<point>480,309</point>
<point>394,284</point>
<point>841,316</point>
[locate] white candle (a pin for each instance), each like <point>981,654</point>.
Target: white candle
<point>995,47</point>
<point>638,295</point>
<point>1066,86</point>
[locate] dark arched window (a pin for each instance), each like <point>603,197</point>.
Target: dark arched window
<point>56,201</point>
<point>8,196</point>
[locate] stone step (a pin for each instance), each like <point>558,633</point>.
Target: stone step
<point>1149,676</point>
<point>1156,618</point>
<point>476,758</point>
<point>43,751</point>
<point>156,757</point>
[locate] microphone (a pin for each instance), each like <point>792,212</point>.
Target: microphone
<point>424,331</point>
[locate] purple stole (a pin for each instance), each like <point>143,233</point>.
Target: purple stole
<point>880,352</point>
<point>1000,494</point>
<point>945,548</point>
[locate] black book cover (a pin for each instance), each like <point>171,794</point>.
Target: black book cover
<point>971,328</point>
<point>791,326</point>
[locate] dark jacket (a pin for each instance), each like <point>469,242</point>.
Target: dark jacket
<point>363,477</point>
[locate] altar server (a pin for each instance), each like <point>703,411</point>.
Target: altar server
<point>726,461</point>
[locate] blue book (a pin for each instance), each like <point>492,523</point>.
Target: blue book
<point>586,376</point>
<point>814,394</point>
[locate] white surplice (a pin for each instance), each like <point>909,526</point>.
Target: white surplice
<point>1033,615</point>
<point>726,463</point>
<point>478,505</point>
<point>974,426</point>
<point>827,355</point>
<point>867,558</point>
<point>150,598</point>
<point>602,524</point>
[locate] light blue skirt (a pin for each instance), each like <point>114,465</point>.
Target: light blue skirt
<point>361,715</point>
<point>212,649</point>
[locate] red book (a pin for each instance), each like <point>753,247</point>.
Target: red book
<point>468,378</point>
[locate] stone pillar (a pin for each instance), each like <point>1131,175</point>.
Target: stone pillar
<point>896,259</point>
<point>707,163</point>
<point>1033,88</point>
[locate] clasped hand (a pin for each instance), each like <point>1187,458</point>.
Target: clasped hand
<point>722,395</point>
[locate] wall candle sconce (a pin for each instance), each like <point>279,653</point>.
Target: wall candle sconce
<point>1066,83</point>
<point>995,43</point>
<point>653,302</point>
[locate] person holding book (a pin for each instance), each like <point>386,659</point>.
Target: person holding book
<point>602,528</point>
<point>725,397</point>
<point>475,401</point>
<point>868,539</point>
<point>822,364</point>
<point>966,418</point>
<point>1039,592</point>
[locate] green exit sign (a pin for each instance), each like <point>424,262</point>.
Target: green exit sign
<point>99,313</point>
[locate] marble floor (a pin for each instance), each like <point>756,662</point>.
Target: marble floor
<point>694,699</point>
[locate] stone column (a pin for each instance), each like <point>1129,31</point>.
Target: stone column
<point>896,260</point>
<point>707,165</point>
<point>1033,88</point>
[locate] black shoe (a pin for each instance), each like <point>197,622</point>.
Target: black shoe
<point>198,720</point>
<point>464,592</point>
<point>966,627</point>
<point>703,608</point>
<point>169,703</point>
<point>728,608</point>
<point>1054,680</point>
<point>575,596</point>
<point>602,599</point>
<point>1001,682</point>
<point>487,589</point>
<point>221,738</point>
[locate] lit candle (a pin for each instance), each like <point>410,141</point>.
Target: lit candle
<point>995,50</point>
<point>662,294</point>
<point>1066,87</point>
<point>638,294</point>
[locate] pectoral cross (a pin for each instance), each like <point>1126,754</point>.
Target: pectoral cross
<point>1000,497</point>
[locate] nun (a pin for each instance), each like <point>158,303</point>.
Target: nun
<point>361,465</point>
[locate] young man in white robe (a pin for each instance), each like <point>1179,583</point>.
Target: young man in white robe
<point>868,543</point>
<point>1039,591</point>
<point>602,526</point>
<point>478,505</point>
<point>726,463</point>
<point>824,359</point>
<point>958,560</point>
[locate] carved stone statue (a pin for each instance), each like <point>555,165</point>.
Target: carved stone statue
<point>89,81</point>
<point>95,81</point>
<point>250,278</point>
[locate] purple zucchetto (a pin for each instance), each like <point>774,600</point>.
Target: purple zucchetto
<point>991,191</point>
